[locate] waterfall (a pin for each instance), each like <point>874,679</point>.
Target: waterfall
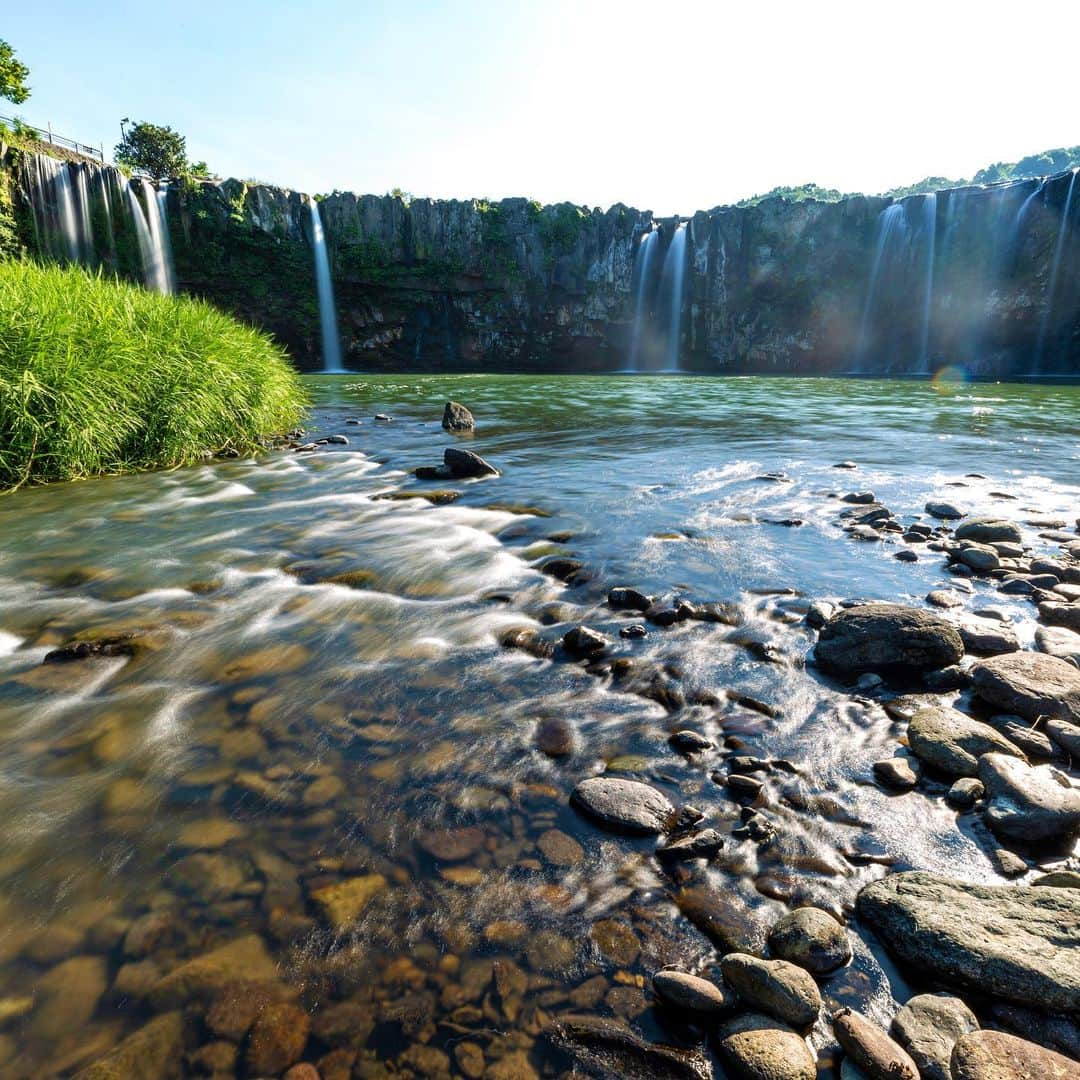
<point>158,222</point>
<point>87,249</point>
<point>930,229</point>
<point>891,222</point>
<point>643,260</point>
<point>671,285</point>
<point>56,223</point>
<point>331,343</point>
<point>1051,287</point>
<point>149,231</point>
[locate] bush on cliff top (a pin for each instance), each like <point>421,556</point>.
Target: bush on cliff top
<point>99,376</point>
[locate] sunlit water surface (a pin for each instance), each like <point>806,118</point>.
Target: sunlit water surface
<point>277,732</point>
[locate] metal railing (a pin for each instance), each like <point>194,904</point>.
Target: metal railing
<point>47,135</point>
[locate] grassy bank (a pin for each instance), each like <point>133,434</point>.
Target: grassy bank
<point>98,376</point>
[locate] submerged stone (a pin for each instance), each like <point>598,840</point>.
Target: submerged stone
<point>623,805</point>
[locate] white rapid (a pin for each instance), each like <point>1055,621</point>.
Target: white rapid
<point>643,260</point>
<point>150,231</point>
<point>327,316</point>
<point>671,284</point>
<point>1051,285</point>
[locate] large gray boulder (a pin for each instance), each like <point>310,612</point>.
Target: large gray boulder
<point>885,638</point>
<point>1020,943</point>
<point>953,742</point>
<point>1029,684</point>
<point>457,418</point>
<point>623,805</point>
<point>1028,803</point>
<point>994,1055</point>
<point>988,530</point>
<point>1058,613</point>
<point>1058,641</point>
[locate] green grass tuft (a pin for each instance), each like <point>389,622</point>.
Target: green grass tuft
<point>100,376</point>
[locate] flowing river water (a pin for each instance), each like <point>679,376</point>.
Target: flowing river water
<point>317,694</point>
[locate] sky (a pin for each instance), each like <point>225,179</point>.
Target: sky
<point>671,107</point>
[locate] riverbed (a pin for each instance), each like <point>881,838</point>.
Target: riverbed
<point>308,684</point>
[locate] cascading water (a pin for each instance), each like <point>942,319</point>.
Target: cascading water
<point>671,286</point>
<point>156,203</point>
<point>1055,266</point>
<point>643,260</point>
<point>157,273</point>
<point>892,222</point>
<point>930,229</point>
<point>82,201</point>
<point>324,284</point>
<point>52,196</point>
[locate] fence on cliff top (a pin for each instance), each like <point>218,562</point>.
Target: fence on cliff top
<point>47,135</point>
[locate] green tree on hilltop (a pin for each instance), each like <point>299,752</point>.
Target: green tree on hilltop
<point>13,75</point>
<point>158,151</point>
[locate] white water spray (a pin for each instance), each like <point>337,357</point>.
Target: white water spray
<point>331,343</point>
<point>157,273</point>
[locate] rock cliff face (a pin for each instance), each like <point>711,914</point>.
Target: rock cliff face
<point>966,277</point>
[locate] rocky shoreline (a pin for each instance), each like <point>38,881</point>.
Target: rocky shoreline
<point>275,981</point>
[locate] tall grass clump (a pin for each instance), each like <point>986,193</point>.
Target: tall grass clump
<point>100,376</point>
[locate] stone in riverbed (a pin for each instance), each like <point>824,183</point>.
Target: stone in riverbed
<point>887,637</point>
<point>623,597</point>
<point>584,641</point>
<point>151,1053</point>
<point>965,793</point>
<point>66,996</point>
<point>994,1055</point>
<point>1028,803</point>
<point>689,993</point>
<point>1060,613</point>
<point>811,938</point>
<point>555,736</point>
<point>952,742</point>
<point>986,638</point>
<point>724,918</point>
<point>776,987</point>
<point>980,557</point>
<point>464,464</point>
<point>928,1027</point>
<point>200,978</point>
<point>1010,941</point>
<point>989,530</point>
<point>1029,684</point>
<point>1066,735</point>
<point>277,1039</point>
<point>871,1049</point>
<point>944,511</point>
<point>342,903</point>
<point>756,1047</point>
<point>456,417</point>
<point>896,773</point>
<point>623,805</point>
<point>945,598</point>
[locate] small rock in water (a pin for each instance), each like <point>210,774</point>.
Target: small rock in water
<point>465,464</point>
<point>906,555</point>
<point>944,511</point>
<point>871,1049</point>
<point>811,938</point>
<point>952,742</point>
<point>928,1027</point>
<point>555,736</point>
<point>859,498</point>
<point>994,1055</point>
<point>690,742</point>
<point>277,1039</point>
<point>777,987</point>
<point>896,773</point>
<point>383,416</point>
<point>980,557</point>
<point>337,440</point>
<point>623,805</point>
<point>1031,685</point>
<point>702,845</point>
<point>845,465</point>
<point>965,793</point>
<point>584,641</point>
<point>689,993</point>
<point>457,418</point>
<point>1028,803</point>
<point>988,530</point>
<point>634,630</point>
<point>626,597</point>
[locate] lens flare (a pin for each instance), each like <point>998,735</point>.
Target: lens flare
<point>949,377</point>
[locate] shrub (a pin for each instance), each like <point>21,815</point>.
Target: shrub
<point>99,376</point>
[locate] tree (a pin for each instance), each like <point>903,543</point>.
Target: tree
<point>159,152</point>
<point>12,76</point>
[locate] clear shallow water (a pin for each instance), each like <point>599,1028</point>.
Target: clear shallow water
<point>277,732</point>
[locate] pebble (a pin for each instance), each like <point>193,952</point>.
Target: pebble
<point>758,1047</point>
<point>623,805</point>
<point>690,993</point>
<point>812,939</point>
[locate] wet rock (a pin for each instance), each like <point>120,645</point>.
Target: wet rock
<point>1008,864</point>
<point>343,1024</point>
<point>616,941</point>
<point>633,631</point>
<point>432,472</point>
<point>872,1050</point>
<point>1029,684</point>
<point>702,845</point>
<point>146,933</point>
<point>451,845</point>
<point>1065,735</point>
<point>1058,641</point>
<point>689,742</point>
<point>203,977</point>
<point>151,1053</point>
<point>303,1071</point>
<point>776,987</point>
<point>209,834</point>
<point>994,1055</point>
<point>470,1060</point>
<point>965,793</point>
<point>624,597</point>
<point>742,787</point>
<point>724,918</point>
<point>1060,613</point>
<point>811,938</point>
<point>756,1047</point>
<point>906,555</point>
<point>342,903</point>
<point>1015,942</point>
<point>560,849</point>
<point>237,1004</point>
<point>609,1048</point>
<point>1060,879</point>
<point>1028,737</point>
<point>884,638</point>
<point>952,742</point>
<point>979,557</point>
<point>526,639</point>
<point>555,736</point>
<point>684,992</point>
<point>896,773</point>
<point>928,1027</point>
<point>1052,1030</point>
<point>464,464</point>
<point>572,571</point>
<point>457,418</point>
<point>944,511</point>
<point>1028,803</point>
<point>584,641</point>
<point>945,598</point>
<point>207,877</point>
<point>623,805</point>
<point>988,530</point>
<point>987,639</point>
<point>277,1039</point>
<point>66,996</point>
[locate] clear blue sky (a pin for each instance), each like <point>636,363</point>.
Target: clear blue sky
<point>671,106</point>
